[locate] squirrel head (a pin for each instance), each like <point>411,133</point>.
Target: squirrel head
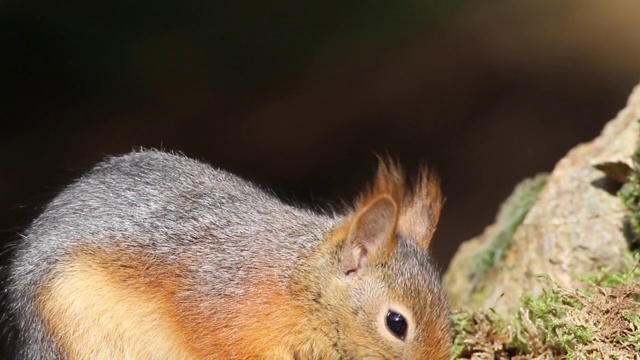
<point>378,287</point>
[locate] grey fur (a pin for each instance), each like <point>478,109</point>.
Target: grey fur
<point>153,199</point>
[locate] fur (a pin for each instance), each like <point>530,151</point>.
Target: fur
<point>154,255</point>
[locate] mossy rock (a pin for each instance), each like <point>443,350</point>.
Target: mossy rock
<point>574,225</point>
<point>558,275</point>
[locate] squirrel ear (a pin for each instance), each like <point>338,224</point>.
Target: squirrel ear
<point>371,232</point>
<point>420,214</point>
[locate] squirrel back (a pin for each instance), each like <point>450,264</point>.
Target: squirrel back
<point>153,255</point>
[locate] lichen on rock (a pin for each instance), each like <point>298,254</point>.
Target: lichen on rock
<point>510,216</point>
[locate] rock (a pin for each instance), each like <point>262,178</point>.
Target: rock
<point>574,225</point>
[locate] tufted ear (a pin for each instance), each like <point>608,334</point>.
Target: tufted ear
<point>371,234</point>
<point>420,212</point>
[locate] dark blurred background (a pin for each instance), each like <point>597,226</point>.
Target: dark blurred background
<point>299,96</point>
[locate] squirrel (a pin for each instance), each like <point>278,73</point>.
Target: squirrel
<point>154,255</point>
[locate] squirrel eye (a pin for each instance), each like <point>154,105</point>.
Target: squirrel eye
<point>397,324</point>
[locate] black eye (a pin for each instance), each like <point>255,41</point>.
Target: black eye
<point>397,324</point>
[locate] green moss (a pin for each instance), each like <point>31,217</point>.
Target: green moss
<point>630,196</point>
<point>550,313</point>
<point>561,323</point>
<point>511,214</point>
<point>461,325</point>
<point>629,274</point>
<point>633,338</point>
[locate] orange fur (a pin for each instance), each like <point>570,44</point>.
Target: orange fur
<point>255,326</point>
<point>100,307</point>
<point>115,306</point>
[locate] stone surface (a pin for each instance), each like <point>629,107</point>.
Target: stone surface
<point>574,226</point>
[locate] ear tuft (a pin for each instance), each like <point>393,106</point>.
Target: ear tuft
<point>417,209</point>
<point>371,233</point>
<point>389,181</point>
<point>420,212</point>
